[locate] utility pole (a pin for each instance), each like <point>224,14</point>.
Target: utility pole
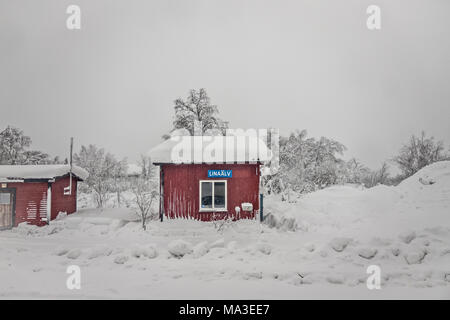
<point>68,190</point>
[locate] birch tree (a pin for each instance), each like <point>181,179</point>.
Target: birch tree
<point>197,107</point>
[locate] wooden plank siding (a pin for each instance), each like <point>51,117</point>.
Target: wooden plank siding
<point>31,200</point>
<point>180,184</point>
<point>60,201</point>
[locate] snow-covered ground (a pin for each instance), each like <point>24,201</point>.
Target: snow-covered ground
<point>316,247</point>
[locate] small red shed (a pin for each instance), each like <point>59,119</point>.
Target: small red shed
<point>210,177</point>
<point>36,194</point>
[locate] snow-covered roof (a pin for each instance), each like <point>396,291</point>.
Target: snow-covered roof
<point>22,172</point>
<point>210,149</point>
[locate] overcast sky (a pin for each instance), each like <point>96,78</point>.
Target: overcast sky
<point>287,64</point>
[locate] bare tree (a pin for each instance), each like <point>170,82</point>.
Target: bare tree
<point>119,173</point>
<point>375,178</point>
<point>197,107</point>
<point>145,193</point>
<point>146,165</point>
<point>418,153</point>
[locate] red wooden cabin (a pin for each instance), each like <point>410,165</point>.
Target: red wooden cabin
<point>207,178</point>
<point>36,194</point>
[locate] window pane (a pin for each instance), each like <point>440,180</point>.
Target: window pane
<point>219,194</point>
<point>206,196</point>
<point>5,198</point>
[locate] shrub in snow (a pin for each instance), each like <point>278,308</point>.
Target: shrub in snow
<point>74,254</point>
<point>336,279</point>
<point>264,248</point>
<point>145,193</point>
<point>144,251</point>
<point>99,252</point>
<point>310,246</point>
<point>323,253</point>
<point>418,153</point>
<point>220,223</point>
<point>280,222</point>
<point>179,248</point>
<point>415,257</point>
<point>150,252</point>
<point>407,236</point>
<point>60,251</point>
<point>253,275</point>
<point>339,244</point>
<point>37,269</point>
<point>200,249</point>
<point>367,253</point>
<point>121,259</point>
<point>395,251</point>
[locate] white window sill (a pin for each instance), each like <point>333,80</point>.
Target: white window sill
<point>212,210</point>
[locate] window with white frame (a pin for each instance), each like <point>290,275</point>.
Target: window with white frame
<point>213,195</point>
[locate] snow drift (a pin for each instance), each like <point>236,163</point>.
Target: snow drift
<point>320,246</point>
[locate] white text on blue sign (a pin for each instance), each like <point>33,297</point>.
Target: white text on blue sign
<point>220,173</point>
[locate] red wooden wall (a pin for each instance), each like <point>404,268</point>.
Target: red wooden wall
<point>31,200</point>
<point>61,202</point>
<point>181,189</point>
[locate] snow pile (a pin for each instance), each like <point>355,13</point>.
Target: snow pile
<point>179,248</point>
<point>421,201</point>
<point>148,251</point>
<point>320,246</point>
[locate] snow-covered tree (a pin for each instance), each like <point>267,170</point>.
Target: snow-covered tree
<point>13,143</point>
<point>104,172</point>
<point>306,164</point>
<point>197,108</point>
<point>13,148</point>
<point>354,172</point>
<point>418,153</point>
<point>35,157</point>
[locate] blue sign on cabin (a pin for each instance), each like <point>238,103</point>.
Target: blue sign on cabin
<point>220,173</point>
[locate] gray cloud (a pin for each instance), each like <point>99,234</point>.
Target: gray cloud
<point>285,64</point>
